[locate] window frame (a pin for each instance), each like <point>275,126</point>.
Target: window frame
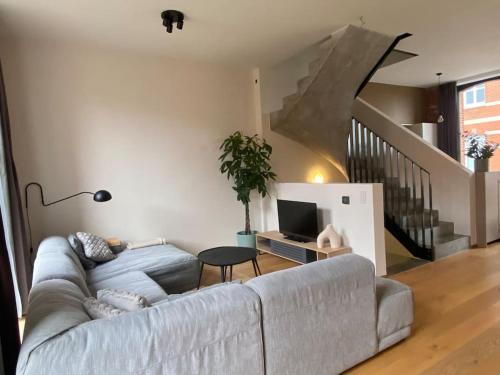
<point>474,89</point>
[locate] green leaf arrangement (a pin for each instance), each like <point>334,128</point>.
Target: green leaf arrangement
<point>477,146</point>
<point>246,160</point>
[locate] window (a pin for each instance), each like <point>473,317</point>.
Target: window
<point>475,96</point>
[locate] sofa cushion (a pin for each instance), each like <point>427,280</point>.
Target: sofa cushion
<point>175,270</point>
<point>95,247</point>
<point>217,331</point>
<point>395,307</point>
<point>99,309</point>
<point>54,307</point>
<point>134,281</point>
<point>330,302</point>
<point>56,260</point>
<point>123,299</point>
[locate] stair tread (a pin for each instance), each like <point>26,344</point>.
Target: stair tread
<point>314,66</point>
<point>456,243</point>
<point>303,84</point>
<point>291,97</point>
<point>443,240</point>
<point>289,102</point>
<point>417,211</point>
<point>444,222</point>
<point>448,238</point>
<point>275,118</point>
<point>327,44</point>
<point>438,227</point>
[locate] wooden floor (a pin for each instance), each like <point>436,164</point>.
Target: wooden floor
<point>457,319</point>
<point>457,315</point>
<point>244,272</point>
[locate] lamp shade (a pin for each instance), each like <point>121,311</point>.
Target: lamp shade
<point>102,196</point>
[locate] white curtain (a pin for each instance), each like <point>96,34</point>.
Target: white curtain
<point>16,243</point>
<point>7,224</point>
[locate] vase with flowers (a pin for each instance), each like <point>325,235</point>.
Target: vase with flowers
<point>479,148</point>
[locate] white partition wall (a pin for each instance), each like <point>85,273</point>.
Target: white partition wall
<point>361,222</point>
<point>488,207</point>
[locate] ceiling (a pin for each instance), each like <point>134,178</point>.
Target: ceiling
<point>457,37</point>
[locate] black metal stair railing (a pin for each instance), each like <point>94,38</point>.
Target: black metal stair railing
<point>408,210</point>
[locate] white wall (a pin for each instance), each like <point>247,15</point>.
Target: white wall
<point>361,223</point>
<point>488,207</point>
<point>403,104</point>
<point>145,128</point>
<point>492,196</point>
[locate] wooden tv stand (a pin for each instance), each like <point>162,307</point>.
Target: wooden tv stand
<point>264,244</point>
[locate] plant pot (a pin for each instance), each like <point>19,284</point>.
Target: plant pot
<point>481,165</point>
<point>246,240</point>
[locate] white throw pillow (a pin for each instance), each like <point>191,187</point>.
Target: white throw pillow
<point>95,247</point>
<point>122,299</point>
<point>99,310</point>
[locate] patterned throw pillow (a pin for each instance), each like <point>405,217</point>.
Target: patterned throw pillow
<point>95,247</point>
<point>99,310</point>
<point>77,247</point>
<point>122,299</point>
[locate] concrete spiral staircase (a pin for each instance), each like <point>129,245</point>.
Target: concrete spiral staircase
<point>319,115</point>
<point>290,101</point>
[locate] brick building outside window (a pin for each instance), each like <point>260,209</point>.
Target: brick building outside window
<point>480,114</point>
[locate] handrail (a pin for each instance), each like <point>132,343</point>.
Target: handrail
<point>394,147</point>
<point>370,158</point>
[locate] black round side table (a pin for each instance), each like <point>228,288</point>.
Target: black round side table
<point>228,256</point>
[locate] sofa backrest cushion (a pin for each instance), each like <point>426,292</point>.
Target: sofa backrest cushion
<point>318,318</point>
<point>56,259</point>
<point>215,331</point>
<point>54,307</point>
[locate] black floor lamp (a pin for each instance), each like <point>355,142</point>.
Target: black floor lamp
<point>99,196</point>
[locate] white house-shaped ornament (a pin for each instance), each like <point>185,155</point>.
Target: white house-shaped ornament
<point>329,234</point>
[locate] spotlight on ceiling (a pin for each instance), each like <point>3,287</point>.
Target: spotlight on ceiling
<point>170,17</point>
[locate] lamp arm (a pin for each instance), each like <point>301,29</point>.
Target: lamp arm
<point>45,205</point>
<point>42,197</point>
<point>63,199</point>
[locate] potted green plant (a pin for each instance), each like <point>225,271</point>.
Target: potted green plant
<point>480,149</point>
<point>246,160</point>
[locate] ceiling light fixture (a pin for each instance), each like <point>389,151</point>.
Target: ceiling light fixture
<point>440,118</point>
<point>170,17</point>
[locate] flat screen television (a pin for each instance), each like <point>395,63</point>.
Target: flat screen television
<point>298,221</point>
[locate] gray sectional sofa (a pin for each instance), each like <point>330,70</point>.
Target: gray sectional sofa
<point>320,318</point>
